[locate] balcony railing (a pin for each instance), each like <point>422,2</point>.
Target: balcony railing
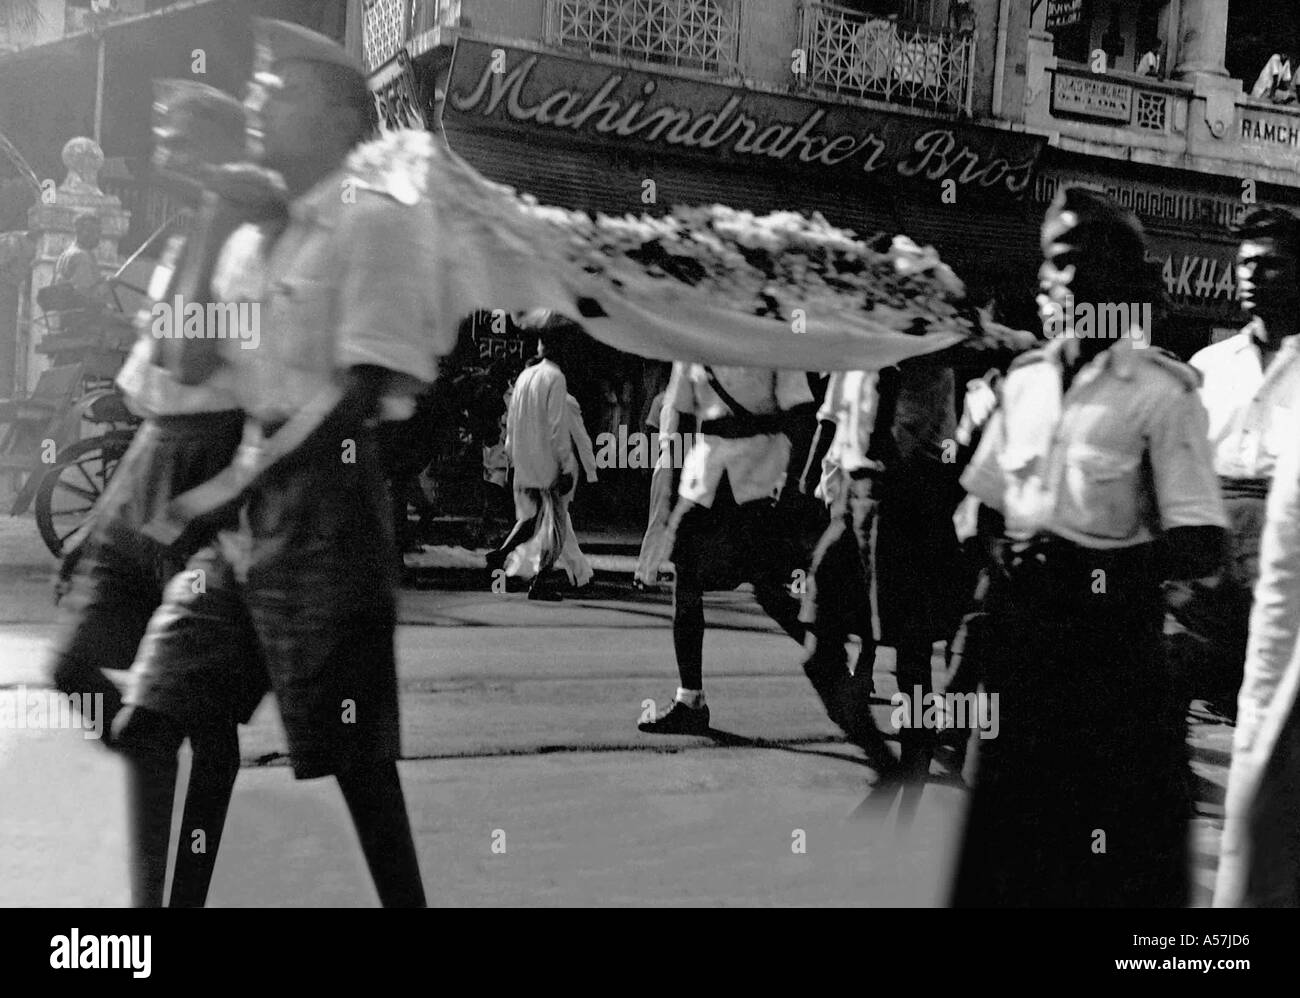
<point>886,59</point>
<point>702,35</point>
<point>384,30</point>
<point>390,24</point>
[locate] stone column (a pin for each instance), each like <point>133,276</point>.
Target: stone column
<point>1203,38</point>
<point>56,214</point>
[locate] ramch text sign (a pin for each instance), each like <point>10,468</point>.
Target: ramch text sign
<point>524,89</point>
<point>1265,131</point>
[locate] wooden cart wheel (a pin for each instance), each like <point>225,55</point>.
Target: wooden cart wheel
<point>69,490</point>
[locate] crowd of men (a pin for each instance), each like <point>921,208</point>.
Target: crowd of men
<point>1115,504</point>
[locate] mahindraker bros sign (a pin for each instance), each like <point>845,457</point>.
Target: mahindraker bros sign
<point>562,95</point>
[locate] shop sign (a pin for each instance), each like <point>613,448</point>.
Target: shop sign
<point>498,86</point>
<point>1064,13</point>
<point>1270,131</point>
<point>1091,97</point>
<point>1200,276</point>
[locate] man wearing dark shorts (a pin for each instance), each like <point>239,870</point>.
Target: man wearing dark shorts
<point>726,526</point>
<point>190,433</point>
<point>308,576</point>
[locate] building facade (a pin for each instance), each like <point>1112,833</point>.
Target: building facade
<point>951,121</point>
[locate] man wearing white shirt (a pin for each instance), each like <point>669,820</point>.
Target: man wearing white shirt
<point>539,445</point>
<point>1251,393</point>
<point>1259,862</point>
<point>729,484</point>
<point>838,600</point>
<point>1275,76</point>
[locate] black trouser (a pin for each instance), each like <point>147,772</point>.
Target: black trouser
<point>761,555</point>
<point>838,603</point>
<point>1081,798</point>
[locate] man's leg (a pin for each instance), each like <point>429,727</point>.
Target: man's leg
<point>541,587</point>
<point>103,618</point>
<point>772,569</point>
<point>214,766</point>
<point>688,601</point>
<point>149,745</point>
<point>835,587</point>
<point>528,509</point>
<point>190,674</point>
<point>520,533</point>
<point>912,667</point>
<point>825,610</point>
<point>688,714</point>
<point>373,792</point>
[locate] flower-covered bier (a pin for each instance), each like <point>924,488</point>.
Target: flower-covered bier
<point>768,264</point>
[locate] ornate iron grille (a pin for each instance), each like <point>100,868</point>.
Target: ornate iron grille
<point>886,59</point>
<point>689,34</point>
<point>1151,111</point>
<point>384,30</point>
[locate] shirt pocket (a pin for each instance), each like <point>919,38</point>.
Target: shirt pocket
<point>1101,491</point>
<point>301,309</point>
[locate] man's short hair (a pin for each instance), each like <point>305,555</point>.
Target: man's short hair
<point>552,328</point>
<point>1109,244</point>
<point>346,89</point>
<point>1106,229</point>
<point>1277,224</point>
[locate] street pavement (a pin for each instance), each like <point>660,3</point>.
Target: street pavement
<point>527,781</point>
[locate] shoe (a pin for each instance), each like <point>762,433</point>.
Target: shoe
<point>680,720</point>
<point>545,594</point>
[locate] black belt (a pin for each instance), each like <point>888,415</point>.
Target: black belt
<point>1047,552</point>
<point>197,420</point>
<point>739,427</point>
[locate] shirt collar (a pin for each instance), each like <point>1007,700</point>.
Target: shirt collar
<point>1117,358</point>
<point>1252,332</point>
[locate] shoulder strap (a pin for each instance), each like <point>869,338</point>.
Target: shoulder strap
<point>736,408</point>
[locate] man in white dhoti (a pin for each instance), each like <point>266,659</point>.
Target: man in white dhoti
<point>541,425</point>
